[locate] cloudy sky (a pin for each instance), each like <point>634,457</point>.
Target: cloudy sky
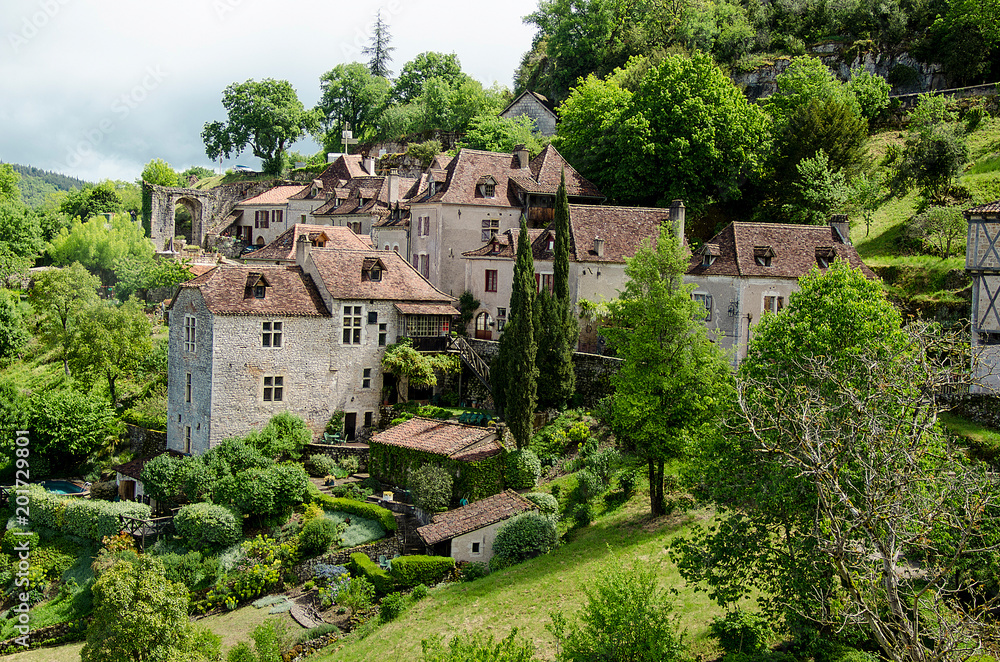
<point>97,88</point>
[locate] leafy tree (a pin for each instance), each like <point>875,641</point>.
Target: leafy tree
<point>492,133</point>
<point>627,618</point>
<point>350,95</point>
<point>514,374</point>
<point>804,80</point>
<point>266,648</point>
<point>932,158</point>
<point>831,125</point>
<point>101,245</point>
<point>59,296</point>
<point>866,193</point>
<point>673,380</point>
<point>159,172</point>
<point>139,615</point>
<point>267,116</point>
<point>135,276</point>
<point>14,334</point>
<point>69,426</point>
<point>818,192</point>
<point>426,65</point>
<point>870,91</point>
<point>111,342</point>
<point>426,151</point>
<point>20,239</point>
<point>93,200</point>
<point>940,227</point>
<point>379,50</point>
<point>284,435</point>
<point>408,365</point>
<point>9,178</point>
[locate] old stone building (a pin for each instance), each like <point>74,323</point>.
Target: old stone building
<point>535,107</point>
<point>249,341</point>
<point>982,262</point>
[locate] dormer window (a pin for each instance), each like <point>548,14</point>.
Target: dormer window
<point>763,255</point>
<point>824,256</point>
<point>551,245</point>
<point>709,253</point>
<point>371,269</point>
<point>258,291</point>
<point>375,273</point>
<point>487,186</point>
<point>257,284</point>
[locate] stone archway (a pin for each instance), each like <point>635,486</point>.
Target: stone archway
<point>195,209</point>
<point>164,200</point>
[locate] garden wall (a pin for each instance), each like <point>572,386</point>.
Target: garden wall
<point>146,443</point>
<point>979,407</point>
<point>339,451</point>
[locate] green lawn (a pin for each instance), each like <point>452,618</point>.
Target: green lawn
<point>984,442</point>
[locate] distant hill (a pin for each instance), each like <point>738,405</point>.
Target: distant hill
<point>36,184</point>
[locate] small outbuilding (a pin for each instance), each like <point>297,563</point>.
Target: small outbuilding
<point>467,533</point>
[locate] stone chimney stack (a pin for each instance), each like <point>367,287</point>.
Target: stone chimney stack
<point>677,213</point>
<point>393,186</point>
<point>522,155</point>
<point>599,246</point>
<point>369,165</point>
<point>841,225</point>
<point>302,249</point>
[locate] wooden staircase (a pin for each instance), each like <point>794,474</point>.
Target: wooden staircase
<point>479,367</point>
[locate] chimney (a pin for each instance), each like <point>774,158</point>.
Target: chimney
<point>393,186</point>
<point>677,213</point>
<point>522,155</point>
<point>841,226</point>
<point>303,247</point>
<point>599,246</point>
<point>369,164</point>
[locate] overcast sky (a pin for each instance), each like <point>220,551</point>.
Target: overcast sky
<point>97,88</point>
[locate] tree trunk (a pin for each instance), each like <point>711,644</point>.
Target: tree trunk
<point>111,390</point>
<point>656,488</point>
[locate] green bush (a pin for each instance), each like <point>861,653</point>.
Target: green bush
<point>480,647</point>
<point>323,465</point>
<point>392,606</point>
<point>431,486</point>
<point>317,536</point>
<point>362,566</point>
<point>206,526</point>
<point>192,569</point>
<point>474,570</point>
<point>588,485</point>
<point>525,536</point>
<point>627,480</point>
<point>350,464</point>
<point>408,571</point>
<point>430,411</point>
<point>358,596</point>
<point>419,592</point>
<point>578,433</point>
<point>604,463</point>
<point>742,631</point>
<point>368,510</point>
<point>16,537</point>
<point>546,502</point>
<point>522,469</point>
<point>583,514</point>
<point>86,518</point>
<point>106,491</point>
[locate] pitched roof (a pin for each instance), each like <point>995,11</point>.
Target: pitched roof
<point>547,170</point>
<point>492,509</point>
<point>502,246</point>
<point>343,168</point>
<point>467,443</point>
<point>278,195</point>
<point>374,191</point>
<point>283,247</point>
<point>228,290</point>
<point>464,172</point>
<point>988,208</point>
<point>543,101</point>
<point>340,273</point>
<point>794,249</point>
<point>426,309</point>
<point>623,230</point>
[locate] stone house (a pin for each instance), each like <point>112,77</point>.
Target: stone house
<point>750,269</point>
<point>260,219</point>
<point>473,455</point>
<point>250,341</point>
<point>982,263</point>
<point>282,249</point>
<point>467,533</point>
<point>535,106</point>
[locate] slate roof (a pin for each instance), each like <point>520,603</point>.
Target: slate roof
<point>988,208</point>
<point>283,247</point>
<point>492,509</point>
<point>340,273</point>
<point>466,443</point>
<point>543,101</point>
<point>794,247</point>
<point>227,290</point>
<point>278,195</point>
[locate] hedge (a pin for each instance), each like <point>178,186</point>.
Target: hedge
<point>359,508</point>
<point>208,526</point>
<point>362,566</point>
<point>87,518</point>
<point>408,571</point>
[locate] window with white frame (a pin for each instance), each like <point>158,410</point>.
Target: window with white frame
<point>271,334</point>
<point>274,388</point>
<point>705,300</point>
<point>423,326</point>
<point>190,333</point>
<point>352,325</point>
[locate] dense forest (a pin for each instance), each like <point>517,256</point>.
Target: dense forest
<point>37,185</point>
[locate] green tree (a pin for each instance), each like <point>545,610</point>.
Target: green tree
<point>492,133</point>
<point>14,333</point>
<point>139,615</point>
<point>627,618</point>
<point>111,342</point>
<point>101,246</point>
<point>866,193</point>
<point>59,297</point>
<point>9,178</point>
<point>349,95</point>
<point>673,379</point>
<point>412,368</point>
<point>379,49</point>
<point>514,375</point>
<point>134,276</point>
<point>159,172</point>
<point>69,426</point>
<point>804,80</point>
<point>818,192</point>
<point>935,151</point>
<point>426,65</point>
<point>93,200</point>
<point>267,116</point>
<point>20,239</point>
<point>831,125</point>
<point>939,228</point>
<point>870,91</point>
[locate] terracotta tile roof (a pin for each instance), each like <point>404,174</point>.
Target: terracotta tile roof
<point>198,269</point>
<point>426,309</point>
<point>278,195</point>
<point>228,290</point>
<point>623,230</point>
<point>374,191</point>
<point>133,468</point>
<point>340,273</point>
<point>465,171</point>
<point>283,247</point>
<point>794,249</point>
<point>492,509</point>
<point>468,443</point>
<point>547,167</point>
<point>988,208</point>
<point>342,169</point>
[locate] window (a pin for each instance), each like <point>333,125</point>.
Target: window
<point>369,416</point>
<point>277,215</point>
<point>423,226</point>
<point>544,281</point>
<point>355,226</point>
<point>476,548</point>
<point>491,227</point>
<point>187,388</point>
<point>352,325</point>
<point>187,439</point>
<point>386,247</point>
<point>501,318</point>
<point>489,190</point>
<point>190,333</point>
<point>375,274</point>
<point>260,219</point>
<point>773,303</point>
<point>705,300</point>
<point>491,280</point>
<point>424,326</point>
<point>271,334</point>
<point>707,260</point>
<point>373,317</point>
<point>763,260</point>
<point>274,388</point>
<point>382,333</point>
<point>415,262</point>
<point>425,266</point>
<point>259,291</point>
<point>366,378</point>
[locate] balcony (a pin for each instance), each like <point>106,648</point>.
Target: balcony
<point>431,343</point>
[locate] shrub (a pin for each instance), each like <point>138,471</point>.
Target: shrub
<point>358,594</point>
<point>627,481</point>
<point>588,485</point>
<point>430,411</point>
<point>419,592</point>
<point>368,510</point>
<point>579,432</point>
<point>583,514</point>
<point>206,526</point>
<point>474,570</point>
<point>317,536</point>
<point>392,606</point>
<point>284,434</point>
<point>106,491</point>
<point>742,631</point>
<point>363,566</point>
<point>312,511</point>
<point>604,463</point>
<point>409,571</point>
<point>546,502</point>
<point>522,469</point>
<point>431,487</point>
<point>322,465</point>
<point>478,646</point>
<point>525,536</point>
<point>87,518</point>
<point>327,573</point>
<point>16,538</point>
<point>192,569</point>
<point>350,464</point>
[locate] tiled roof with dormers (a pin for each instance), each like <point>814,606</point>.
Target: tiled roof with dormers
<point>502,245</point>
<point>283,247</point>
<point>547,168</point>
<point>278,195</point>
<point>340,273</point>
<point>227,291</point>
<point>459,184</point>
<point>791,249</point>
<point>457,522</point>
<point>446,438</point>
<point>623,230</point>
<point>365,195</point>
<point>340,171</point>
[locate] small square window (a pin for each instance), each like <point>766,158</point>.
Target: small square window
<point>274,388</point>
<point>773,304</point>
<point>366,378</point>
<point>382,333</point>
<point>373,317</point>
<point>476,548</point>
<point>271,333</point>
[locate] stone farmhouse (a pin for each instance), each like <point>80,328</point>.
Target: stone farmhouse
<point>467,533</point>
<point>982,262</point>
<point>249,341</point>
<point>750,269</point>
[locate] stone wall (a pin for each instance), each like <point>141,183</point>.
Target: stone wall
<point>145,442</point>
<point>979,407</point>
<point>338,452</point>
<point>387,547</point>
